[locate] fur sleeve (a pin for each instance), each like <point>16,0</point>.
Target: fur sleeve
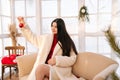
<point>31,37</point>
<point>65,61</point>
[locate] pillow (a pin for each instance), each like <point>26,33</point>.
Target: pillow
<point>89,64</point>
<point>9,59</point>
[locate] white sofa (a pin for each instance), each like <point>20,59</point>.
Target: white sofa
<point>90,66</point>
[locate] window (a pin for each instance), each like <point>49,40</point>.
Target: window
<point>58,9</point>
<point>9,11</point>
<point>100,17</point>
<point>83,33</point>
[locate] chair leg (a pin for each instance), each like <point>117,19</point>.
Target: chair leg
<point>16,71</point>
<point>2,72</point>
<point>10,72</point>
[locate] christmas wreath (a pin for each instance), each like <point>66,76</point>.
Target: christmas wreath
<point>83,14</point>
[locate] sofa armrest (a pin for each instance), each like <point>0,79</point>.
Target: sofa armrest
<point>25,63</point>
<point>106,72</point>
<point>93,66</point>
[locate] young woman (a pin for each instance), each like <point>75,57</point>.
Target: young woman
<point>57,52</point>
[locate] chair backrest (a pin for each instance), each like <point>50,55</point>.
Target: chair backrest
<point>18,50</point>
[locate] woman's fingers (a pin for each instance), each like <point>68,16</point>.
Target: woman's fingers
<point>20,19</point>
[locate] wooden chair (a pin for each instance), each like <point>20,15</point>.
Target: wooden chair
<point>12,50</point>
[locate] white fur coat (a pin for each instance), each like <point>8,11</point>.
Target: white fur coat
<point>62,70</point>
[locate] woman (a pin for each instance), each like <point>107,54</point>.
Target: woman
<point>57,52</point>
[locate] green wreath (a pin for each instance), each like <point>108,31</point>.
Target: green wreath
<point>83,14</point>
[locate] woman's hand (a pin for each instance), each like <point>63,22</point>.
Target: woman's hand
<point>52,61</point>
<point>21,19</point>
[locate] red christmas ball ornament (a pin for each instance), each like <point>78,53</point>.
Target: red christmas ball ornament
<point>21,25</point>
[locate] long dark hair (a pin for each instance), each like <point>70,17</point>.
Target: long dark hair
<point>62,35</point>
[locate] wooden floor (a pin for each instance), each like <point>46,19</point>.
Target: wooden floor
<point>14,77</point>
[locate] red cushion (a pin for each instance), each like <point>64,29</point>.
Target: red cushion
<point>9,59</point>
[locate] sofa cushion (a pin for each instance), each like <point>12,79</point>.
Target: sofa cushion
<point>89,64</point>
<point>25,63</point>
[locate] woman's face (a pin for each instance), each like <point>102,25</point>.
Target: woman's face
<point>54,28</point>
